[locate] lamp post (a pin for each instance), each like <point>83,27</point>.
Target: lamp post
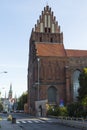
<point>3,72</point>
<point>38,59</point>
<point>30,74</point>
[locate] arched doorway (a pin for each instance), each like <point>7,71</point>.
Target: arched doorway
<point>75,84</point>
<point>52,94</point>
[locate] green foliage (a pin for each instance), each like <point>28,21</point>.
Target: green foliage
<point>53,111</point>
<point>84,101</point>
<point>57,111</point>
<point>0,118</point>
<point>22,100</point>
<point>83,84</point>
<point>1,107</point>
<point>76,110</point>
<point>63,111</point>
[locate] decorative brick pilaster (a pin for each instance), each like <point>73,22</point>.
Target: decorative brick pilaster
<point>68,97</point>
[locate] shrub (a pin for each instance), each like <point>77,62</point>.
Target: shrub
<point>63,111</point>
<point>76,110</point>
<point>0,118</point>
<point>57,111</point>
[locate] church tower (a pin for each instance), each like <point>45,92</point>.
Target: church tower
<point>47,28</point>
<point>10,92</point>
<point>53,71</point>
<point>46,44</point>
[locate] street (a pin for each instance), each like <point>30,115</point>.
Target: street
<point>26,122</point>
<point>36,124</point>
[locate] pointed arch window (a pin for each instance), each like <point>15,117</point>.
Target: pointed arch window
<point>49,30</point>
<point>45,30</point>
<point>52,94</point>
<point>51,40</point>
<point>40,39</point>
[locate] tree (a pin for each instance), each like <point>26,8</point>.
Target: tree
<point>75,109</point>
<point>22,100</point>
<point>84,101</point>
<point>1,107</point>
<point>83,84</point>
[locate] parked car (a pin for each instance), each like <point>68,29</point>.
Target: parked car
<point>5,112</point>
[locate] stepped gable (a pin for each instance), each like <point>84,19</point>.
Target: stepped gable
<point>47,21</point>
<point>47,28</point>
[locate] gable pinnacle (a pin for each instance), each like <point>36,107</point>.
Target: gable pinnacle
<point>47,2</point>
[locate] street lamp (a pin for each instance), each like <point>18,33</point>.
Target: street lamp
<point>3,72</point>
<point>30,75</point>
<point>38,59</point>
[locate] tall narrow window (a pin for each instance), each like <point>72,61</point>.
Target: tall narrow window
<point>52,95</point>
<point>49,30</point>
<point>51,40</point>
<point>40,39</point>
<point>45,29</point>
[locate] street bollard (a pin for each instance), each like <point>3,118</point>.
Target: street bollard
<point>13,120</point>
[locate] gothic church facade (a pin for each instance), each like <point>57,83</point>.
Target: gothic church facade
<point>53,71</point>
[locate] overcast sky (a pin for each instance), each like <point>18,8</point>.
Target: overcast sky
<point>17,18</point>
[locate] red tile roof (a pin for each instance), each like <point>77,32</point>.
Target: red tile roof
<point>76,53</point>
<point>50,49</point>
<point>55,49</point>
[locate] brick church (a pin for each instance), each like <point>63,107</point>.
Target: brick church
<point>53,71</point>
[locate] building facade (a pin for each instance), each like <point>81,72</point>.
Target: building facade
<point>53,71</point>
<point>9,103</point>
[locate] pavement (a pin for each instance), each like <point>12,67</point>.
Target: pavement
<point>8,125</point>
<point>72,123</point>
